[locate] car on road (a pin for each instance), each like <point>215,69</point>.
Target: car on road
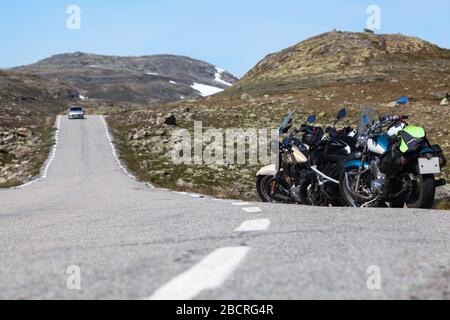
<point>76,112</point>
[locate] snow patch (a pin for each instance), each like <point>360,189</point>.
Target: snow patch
<point>218,77</point>
<point>152,74</point>
<point>172,82</point>
<point>206,90</point>
<point>82,97</point>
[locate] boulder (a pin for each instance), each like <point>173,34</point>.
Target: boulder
<point>171,120</point>
<point>145,165</point>
<point>392,104</point>
<point>9,138</point>
<point>24,132</point>
<point>245,96</point>
<point>444,102</point>
<point>22,151</point>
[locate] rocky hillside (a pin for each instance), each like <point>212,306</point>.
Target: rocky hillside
<point>18,90</point>
<point>319,76</point>
<point>28,106</point>
<point>342,58</point>
<point>147,79</point>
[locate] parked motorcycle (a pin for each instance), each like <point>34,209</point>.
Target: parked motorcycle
<point>278,182</point>
<point>395,164</point>
<point>320,185</point>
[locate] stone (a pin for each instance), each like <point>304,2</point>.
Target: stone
<point>183,184</point>
<point>22,151</point>
<point>144,165</point>
<point>392,104</point>
<point>160,132</point>
<point>171,120</point>
<point>23,132</point>
<point>245,96</point>
<point>8,138</point>
<point>444,102</point>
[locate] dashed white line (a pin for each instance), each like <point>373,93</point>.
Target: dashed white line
<point>196,196</point>
<point>252,209</point>
<point>253,225</point>
<point>242,204</point>
<point>210,273</point>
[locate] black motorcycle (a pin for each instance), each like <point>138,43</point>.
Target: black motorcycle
<point>320,184</point>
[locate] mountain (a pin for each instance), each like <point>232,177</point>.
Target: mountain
<point>147,79</point>
<point>336,58</point>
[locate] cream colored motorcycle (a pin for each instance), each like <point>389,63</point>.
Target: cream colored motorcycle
<point>279,182</point>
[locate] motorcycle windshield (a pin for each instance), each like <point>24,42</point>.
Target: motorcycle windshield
<point>287,122</point>
<point>367,118</point>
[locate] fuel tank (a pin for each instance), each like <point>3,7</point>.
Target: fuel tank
<point>378,144</point>
<point>339,148</point>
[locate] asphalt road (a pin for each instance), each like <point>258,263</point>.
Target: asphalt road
<point>128,241</point>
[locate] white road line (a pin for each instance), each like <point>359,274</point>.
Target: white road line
<point>208,274</point>
<point>196,196</point>
<point>116,157</point>
<point>252,209</point>
<point>254,225</point>
<point>49,160</point>
<point>242,204</point>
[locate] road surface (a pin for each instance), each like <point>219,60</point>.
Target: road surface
<point>88,231</point>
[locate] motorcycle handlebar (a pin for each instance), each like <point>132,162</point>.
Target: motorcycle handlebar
<point>394,118</point>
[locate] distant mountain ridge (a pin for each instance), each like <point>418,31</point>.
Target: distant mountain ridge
<point>146,79</point>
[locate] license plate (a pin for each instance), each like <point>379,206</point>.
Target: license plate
<point>429,166</point>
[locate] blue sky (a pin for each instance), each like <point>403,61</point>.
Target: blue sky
<point>231,34</point>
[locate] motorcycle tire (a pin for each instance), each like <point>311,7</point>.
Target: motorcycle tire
<point>263,187</point>
<point>426,194</point>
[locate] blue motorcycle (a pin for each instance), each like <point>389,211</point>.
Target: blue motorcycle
<point>395,164</point>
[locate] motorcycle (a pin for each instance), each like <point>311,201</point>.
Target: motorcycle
<point>320,185</point>
<point>396,167</point>
<point>277,183</point>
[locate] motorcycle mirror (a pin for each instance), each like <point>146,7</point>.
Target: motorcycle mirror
<point>311,119</point>
<point>341,114</point>
<point>402,100</point>
<point>366,120</point>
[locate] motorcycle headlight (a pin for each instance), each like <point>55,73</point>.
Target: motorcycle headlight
<point>362,139</point>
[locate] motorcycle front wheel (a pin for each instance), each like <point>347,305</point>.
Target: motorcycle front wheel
<point>363,195</point>
<point>267,187</point>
